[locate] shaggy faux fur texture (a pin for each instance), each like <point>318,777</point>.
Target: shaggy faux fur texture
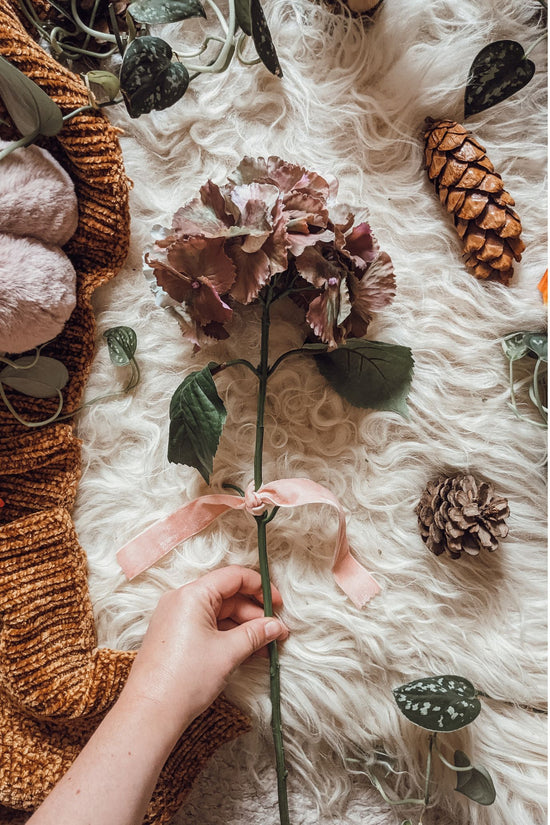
<point>38,215</point>
<point>352,102</point>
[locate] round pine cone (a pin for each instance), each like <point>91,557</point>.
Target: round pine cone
<point>474,193</point>
<point>461,514</point>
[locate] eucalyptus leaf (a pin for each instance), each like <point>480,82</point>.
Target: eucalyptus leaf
<point>515,345</point>
<point>148,78</point>
<point>369,374</point>
<point>165,11</point>
<point>498,71</point>
<point>262,39</point>
<point>438,703</point>
<point>122,344</point>
<point>41,380</point>
<point>244,16</point>
<point>30,108</point>
<point>108,81</point>
<point>475,784</point>
<point>197,416</point>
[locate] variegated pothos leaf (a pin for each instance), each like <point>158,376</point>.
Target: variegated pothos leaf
<point>438,703</point>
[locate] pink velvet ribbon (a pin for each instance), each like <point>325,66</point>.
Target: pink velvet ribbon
<point>154,542</point>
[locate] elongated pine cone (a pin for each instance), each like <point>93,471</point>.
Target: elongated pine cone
<point>460,514</point>
<point>469,187</point>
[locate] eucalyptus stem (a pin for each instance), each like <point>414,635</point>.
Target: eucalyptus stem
<point>261,521</point>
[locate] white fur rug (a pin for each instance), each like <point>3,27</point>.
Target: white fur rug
<point>352,102</point>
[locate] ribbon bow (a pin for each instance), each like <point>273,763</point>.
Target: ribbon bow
<point>154,542</point>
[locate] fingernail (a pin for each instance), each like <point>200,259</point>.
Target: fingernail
<point>272,630</point>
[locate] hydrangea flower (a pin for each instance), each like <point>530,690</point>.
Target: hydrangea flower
<point>271,217</point>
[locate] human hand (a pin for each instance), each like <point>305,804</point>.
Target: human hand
<point>197,637</point>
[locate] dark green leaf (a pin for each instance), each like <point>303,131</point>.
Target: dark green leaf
<point>438,703</point>
<point>369,374</point>
<point>498,71</point>
<point>148,78</point>
<point>475,784</point>
<point>107,80</point>
<point>30,108</point>
<point>42,380</point>
<point>538,343</point>
<point>262,39</point>
<point>244,17</point>
<point>197,416</point>
<point>165,11</point>
<point>122,343</point>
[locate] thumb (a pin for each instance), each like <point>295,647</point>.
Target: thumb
<point>251,636</point>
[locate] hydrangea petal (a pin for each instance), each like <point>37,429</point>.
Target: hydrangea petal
<point>362,245</point>
<point>322,315</point>
<point>206,257</point>
<point>312,266</point>
<point>375,289</point>
<point>253,271</point>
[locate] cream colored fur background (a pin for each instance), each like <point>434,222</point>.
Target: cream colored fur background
<point>352,102</point>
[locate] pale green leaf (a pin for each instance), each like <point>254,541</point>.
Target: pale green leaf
<point>244,18</point>
<point>476,784</point>
<point>122,344</point>
<point>41,380</point>
<point>108,81</point>
<point>30,108</point>
<point>538,343</point>
<point>438,703</point>
<point>197,416</point>
<point>369,374</point>
<point>165,11</point>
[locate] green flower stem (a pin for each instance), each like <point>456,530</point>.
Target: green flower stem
<point>261,521</point>
<point>298,351</point>
<point>431,743</point>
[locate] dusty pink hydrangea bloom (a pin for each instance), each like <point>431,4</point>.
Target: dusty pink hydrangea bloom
<point>272,218</point>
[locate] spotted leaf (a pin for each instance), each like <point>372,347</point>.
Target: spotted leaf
<point>498,71</point>
<point>148,78</point>
<point>438,703</point>
<point>165,11</point>
<point>262,39</point>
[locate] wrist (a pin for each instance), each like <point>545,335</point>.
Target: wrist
<point>157,723</point>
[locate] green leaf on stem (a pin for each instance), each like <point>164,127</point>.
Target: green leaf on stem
<point>538,343</point>
<point>244,16</point>
<point>476,784</point>
<point>197,416</point>
<point>108,81</point>
<point>369,374</point>
<point>165,11</point>
<point>262,39</point>
<point>438,703</point>
<point>40,377</point>
<point>122,344</point>
<point>148,78</point>
<point>515,345</point>
<point>498,71</point>
<point>30,108</point>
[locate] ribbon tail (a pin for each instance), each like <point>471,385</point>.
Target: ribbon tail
<point>356,582</point>
<point>155,541</point>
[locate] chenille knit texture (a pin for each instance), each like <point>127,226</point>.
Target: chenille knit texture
<point>55,683</point>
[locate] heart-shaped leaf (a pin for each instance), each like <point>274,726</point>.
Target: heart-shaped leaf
<point>476,784</point>
<point>108,81</point>
<point>165,11</point>
<point>40,377</point>
<point>538,343</point>
<point>262,39</point>
<point>148,78</point>
<point>197,416</point>
<point>499,71</point>
<point>122,343</point>
<point>515,345</point>
<point>438,703</point>
<point>30,108</point>
<point>369,374</point>
<point>244,16</point>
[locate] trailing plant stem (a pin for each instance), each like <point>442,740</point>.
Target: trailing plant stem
<point>261,521</point>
